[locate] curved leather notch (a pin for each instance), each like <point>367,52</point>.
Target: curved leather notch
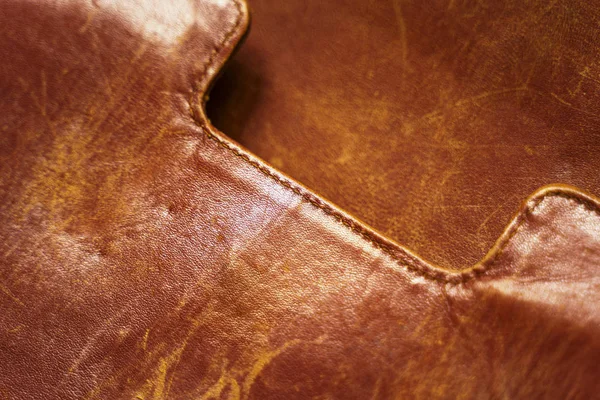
<point>405,257</point>
<point>430,121</point>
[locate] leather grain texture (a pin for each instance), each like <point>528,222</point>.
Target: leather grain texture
<point>144,255</point>
<point>430,120</point>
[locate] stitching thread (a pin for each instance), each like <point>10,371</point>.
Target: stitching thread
<point>398,254</point>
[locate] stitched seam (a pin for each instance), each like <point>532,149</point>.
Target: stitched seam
<point>211,59</point>
<point>424,270</point>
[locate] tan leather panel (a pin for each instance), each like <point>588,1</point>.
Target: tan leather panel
<point>429,120</point>
<point>143,255</point>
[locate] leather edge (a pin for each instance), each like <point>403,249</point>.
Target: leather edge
<point>402,255</point>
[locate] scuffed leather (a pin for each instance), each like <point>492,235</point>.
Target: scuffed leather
<point>431,120</point>
<point>144,255</point>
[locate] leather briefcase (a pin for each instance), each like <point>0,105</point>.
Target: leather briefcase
<point>146,255</point>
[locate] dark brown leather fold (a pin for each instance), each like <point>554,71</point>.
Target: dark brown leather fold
<point>145,255</point>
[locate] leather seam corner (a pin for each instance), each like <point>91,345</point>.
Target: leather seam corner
<point>395,251</point>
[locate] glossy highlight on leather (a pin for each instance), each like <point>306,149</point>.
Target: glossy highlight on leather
<point>145,255</point>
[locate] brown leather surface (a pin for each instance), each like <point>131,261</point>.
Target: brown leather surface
<point>429,120</point>
<point>145,256</point>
